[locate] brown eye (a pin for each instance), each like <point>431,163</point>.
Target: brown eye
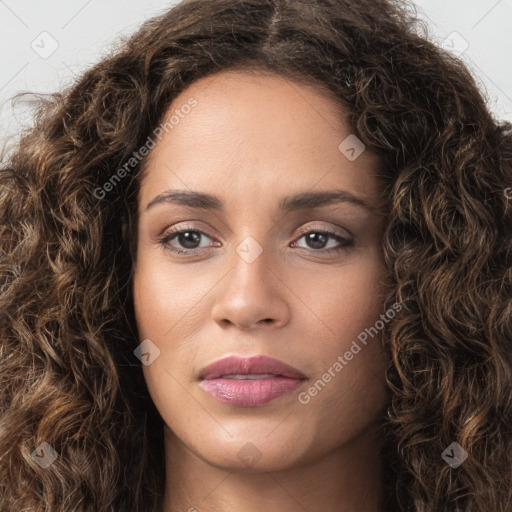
<point>188,239</point>
<point>183,240</point>
<point>318,239</point>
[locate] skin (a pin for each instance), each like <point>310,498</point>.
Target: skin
<point>252,140</point>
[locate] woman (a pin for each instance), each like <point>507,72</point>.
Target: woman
<point>259,258</point>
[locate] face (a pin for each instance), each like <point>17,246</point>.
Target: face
<point>260,269</point>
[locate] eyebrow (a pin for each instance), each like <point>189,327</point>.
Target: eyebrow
<point>301,201</point>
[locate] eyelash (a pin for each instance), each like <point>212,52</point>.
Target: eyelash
<point>345,243</point>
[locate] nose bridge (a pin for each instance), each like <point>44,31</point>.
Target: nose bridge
<point>249,294</point>
<point>251,262</point>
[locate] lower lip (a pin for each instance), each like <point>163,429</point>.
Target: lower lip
<point>250,392</point>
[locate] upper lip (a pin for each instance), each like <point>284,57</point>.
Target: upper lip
<point>249,365</point>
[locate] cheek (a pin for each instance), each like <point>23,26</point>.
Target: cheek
<point>161,314</point>
<point>350,361</point>
<point>344,301</point>
<point>167,305</point>
<point>164,298</point>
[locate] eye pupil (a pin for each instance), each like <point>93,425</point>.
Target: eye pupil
<point>313,237</point>
<point>188,237</point>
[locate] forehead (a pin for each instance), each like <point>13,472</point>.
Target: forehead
<point>258,130</point>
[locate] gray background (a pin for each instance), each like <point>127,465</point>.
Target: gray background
<point>476,30</point>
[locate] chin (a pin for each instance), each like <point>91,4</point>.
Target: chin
<point>262,452</point>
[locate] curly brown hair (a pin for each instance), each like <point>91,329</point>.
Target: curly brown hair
<point>67,329</point>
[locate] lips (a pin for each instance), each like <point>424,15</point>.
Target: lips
<point>249,382</point>
<point>259,365</point>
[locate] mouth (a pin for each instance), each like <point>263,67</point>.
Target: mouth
<point>250,381</point>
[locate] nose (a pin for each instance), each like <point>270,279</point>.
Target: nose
<point>252,295</point>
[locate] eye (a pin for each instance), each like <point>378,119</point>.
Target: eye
<point>317,239</point>
<point>189,239</point>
